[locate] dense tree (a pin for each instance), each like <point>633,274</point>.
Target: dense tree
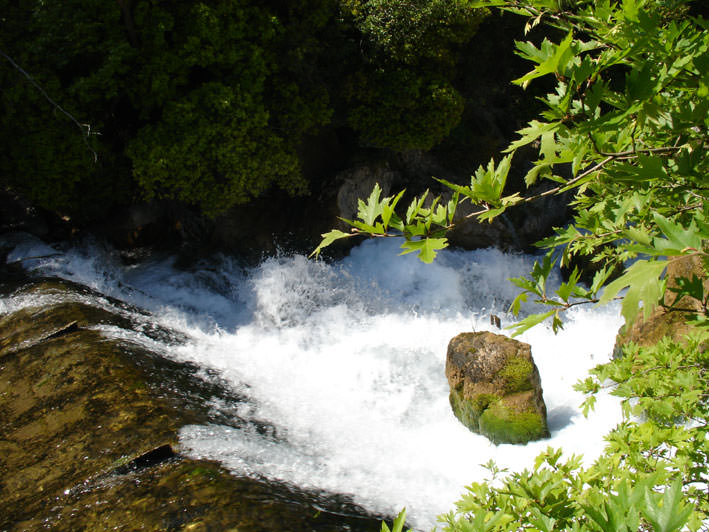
<point>403,97</point>
<point>209,102</point>
<point>75,57</point>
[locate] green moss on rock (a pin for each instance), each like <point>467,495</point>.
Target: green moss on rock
<point>468,411</point>
<point>463,410</point>
<point>502,424</point>
<point>480,402</point>
<point>517,374</point>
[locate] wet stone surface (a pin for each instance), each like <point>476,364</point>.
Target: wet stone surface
<point>88,435</point>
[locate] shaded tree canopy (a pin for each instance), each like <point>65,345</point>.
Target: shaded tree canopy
<point>208,102</point>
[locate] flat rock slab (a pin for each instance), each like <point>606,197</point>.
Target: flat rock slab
<point>89,434</point>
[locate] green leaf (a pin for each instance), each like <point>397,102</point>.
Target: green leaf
<point>487,184</point>
<point>414,207</point>
<point>452,206</point>
<point>389,207</point>
<point>533,175</point>
<point>329,238</point>
<point>531,133</point>
<point>639,235</point>
<point>398,524</point>
<point>368,212</point>
<point>678,236</point>
<point>514,307</point>
<point>642,279</point>
<point>529,322</point>
<point>588,405</point>
<point>551,58</point>
<point>671,514</point>
<point>427,248</point>
<point>567,288</point>
<point>599,279</point>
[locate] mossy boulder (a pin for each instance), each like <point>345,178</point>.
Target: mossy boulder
<point>495,388</point>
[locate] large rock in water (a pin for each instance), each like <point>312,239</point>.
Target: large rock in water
<point>495,387</point>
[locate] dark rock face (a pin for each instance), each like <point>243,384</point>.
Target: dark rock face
<point>517,229</point>
<point>495,387</point>
<point>357,183</point>
<point>18,214</point>
<point>89,431</point>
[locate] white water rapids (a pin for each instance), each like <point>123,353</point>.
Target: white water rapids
<point>346,362</point>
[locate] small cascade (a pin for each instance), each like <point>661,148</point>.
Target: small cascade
<point>339,368</point>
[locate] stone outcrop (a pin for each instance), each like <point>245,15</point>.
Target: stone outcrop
<point>663,322</point>
<point>89,432</point>
<point>495,389</point>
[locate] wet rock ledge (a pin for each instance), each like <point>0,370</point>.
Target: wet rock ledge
<point>88,433</point>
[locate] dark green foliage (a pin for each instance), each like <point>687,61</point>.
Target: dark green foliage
<point>404,97</point>
<point>210,102</point>
<point>212,148</point>
<point>414,32</point>
<point>76,56</point>
<point>400,109</point>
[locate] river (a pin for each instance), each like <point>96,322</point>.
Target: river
<point>341,365</point>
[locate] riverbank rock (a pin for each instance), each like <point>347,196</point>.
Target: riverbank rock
<point>662,322</point>
<point>495,389</point>
<point>89,421</point>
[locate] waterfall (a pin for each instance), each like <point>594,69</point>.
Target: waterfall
<point>341,366</point>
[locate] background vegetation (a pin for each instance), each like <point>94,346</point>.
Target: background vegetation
<point>211,102</point>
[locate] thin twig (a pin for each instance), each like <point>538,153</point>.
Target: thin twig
<point>84,131</point>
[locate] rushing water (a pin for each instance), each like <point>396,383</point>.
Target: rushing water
<point>344,364</point>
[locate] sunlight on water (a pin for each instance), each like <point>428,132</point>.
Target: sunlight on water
<point>344,364</point>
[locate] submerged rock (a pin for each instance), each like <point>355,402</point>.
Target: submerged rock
<point>89,432</point>
<point>495,389</point>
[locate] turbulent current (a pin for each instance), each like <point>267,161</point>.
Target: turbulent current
<point>341,366</point>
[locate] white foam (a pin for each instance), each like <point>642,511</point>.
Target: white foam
<point>346,362</point>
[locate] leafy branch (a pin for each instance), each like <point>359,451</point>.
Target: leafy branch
<point>635,144</point>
